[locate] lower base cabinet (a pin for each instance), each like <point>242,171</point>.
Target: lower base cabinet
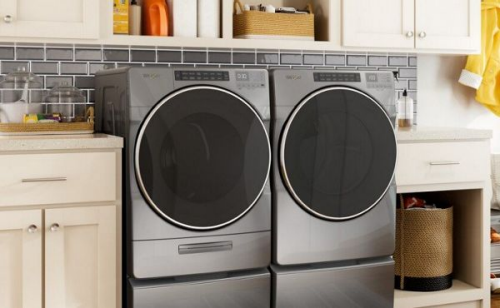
<point>80,258</point>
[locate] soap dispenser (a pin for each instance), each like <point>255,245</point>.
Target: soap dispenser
<point>405,111</point>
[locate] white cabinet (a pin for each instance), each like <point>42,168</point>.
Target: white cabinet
<point>80,257</point>
<point>448,24</point>
<point>21,259</point>
<point>381,23</point>
<point>77,19</point>
<point>443,25</point>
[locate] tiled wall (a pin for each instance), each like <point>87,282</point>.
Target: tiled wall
<point>76,65</point>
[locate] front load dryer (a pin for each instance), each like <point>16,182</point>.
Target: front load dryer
<point>196,189</point>
<point>334,197</point>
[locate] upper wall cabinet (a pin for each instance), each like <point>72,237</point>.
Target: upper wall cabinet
<point>77,19</point>
<point>442,25</point>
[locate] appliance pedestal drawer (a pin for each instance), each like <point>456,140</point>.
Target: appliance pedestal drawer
<point>251,289</point>
<point>57,178</point>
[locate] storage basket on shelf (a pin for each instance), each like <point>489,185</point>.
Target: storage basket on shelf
<point>495,181</point>
<point>424,249</point>
<point>263,25</point>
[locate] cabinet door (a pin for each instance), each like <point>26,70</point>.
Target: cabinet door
<point>448,24</point>
<point>381,23</point>
<point>49,18</point>
<point>80,257</point>
<point>21,259</point>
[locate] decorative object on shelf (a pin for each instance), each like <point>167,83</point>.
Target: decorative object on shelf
<point>120,17</point>
<point>424,248</point>
<point>209,18</point>
<point>134,20</point>
<point>257,24</point>
<point>184,18</point>
<point>155,18</point>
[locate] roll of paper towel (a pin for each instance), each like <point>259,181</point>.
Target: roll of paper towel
<point>183,17</point>
<point>209,18</point>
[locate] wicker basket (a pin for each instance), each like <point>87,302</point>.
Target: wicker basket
<point>256,24</point>
<point>424,249</point>
<point>8,129</point>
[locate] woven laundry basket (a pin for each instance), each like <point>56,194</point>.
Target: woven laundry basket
<point>424,249</point>
<point>257,24</point>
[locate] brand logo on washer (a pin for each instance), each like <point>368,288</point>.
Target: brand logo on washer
<point>293,77</point>
<point>151,76</point>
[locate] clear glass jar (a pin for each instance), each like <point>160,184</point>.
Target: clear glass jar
<point>21,85</point>
<point>69,101</point>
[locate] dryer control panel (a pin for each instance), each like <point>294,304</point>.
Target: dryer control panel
<point>202,75</point>
<point>342,77</point>
<point>250,79</point>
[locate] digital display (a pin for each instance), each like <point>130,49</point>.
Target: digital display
<point>242,76</point>
<point>371,77</point>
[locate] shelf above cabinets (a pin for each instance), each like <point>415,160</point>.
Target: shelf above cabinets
<point>402,26</point>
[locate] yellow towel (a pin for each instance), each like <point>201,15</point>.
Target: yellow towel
<point>482,71</point>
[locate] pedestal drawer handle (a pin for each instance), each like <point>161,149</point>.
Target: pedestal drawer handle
<point>55,179</point>
<point>54,228</point>
<point>444,163</point>
<point>32,229</point>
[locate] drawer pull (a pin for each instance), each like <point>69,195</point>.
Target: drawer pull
<point>32,229</point>
<point>54,228</point>
<point>444,163</point>
<point>56,179</point>
<point>205,247</point>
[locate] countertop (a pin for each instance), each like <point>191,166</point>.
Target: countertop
<point>59,142</point>
<point>424,133</point>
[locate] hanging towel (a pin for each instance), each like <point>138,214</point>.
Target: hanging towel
<point>482,71</point>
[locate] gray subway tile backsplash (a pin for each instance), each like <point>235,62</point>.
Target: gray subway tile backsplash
<point>169,56</point>
<point>219,57</point>
<point>267,58</point>
<point>74,68</point>
<point>143,56</point>
<point>7,53</point>
<point>243,58</point>
<point>29,53</point>
<point>195,57</point>
<point>59,54</point>
<point>116,55</point>
<point>88,54</point>
<point>291,59</point>
<point>77,66</point>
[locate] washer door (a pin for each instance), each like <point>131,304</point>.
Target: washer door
<point>202,157</point>
<point>338,153</point>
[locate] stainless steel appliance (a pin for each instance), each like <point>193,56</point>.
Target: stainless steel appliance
<point>197,195</point>
<point>334,152</point>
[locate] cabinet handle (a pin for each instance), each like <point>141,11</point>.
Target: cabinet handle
<point>409,34</point>
<point>8,19</point>
<point>54,228</point>
<point>422,34</point>
<point>55,179</point>
<point>32,229</point>
<point>444,163</point>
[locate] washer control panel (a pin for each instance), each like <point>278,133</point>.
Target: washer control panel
<point>340,77</point>
<point>202,75</point>
<point>379,80</point>
<point>250,79</point>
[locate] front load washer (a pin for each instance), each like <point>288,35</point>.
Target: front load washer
<point>334,198</point>
<point>196,170</point>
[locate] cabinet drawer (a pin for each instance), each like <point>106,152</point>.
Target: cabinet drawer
<point>39,179</point>
<point>473,304</point>
<point>440,163</point>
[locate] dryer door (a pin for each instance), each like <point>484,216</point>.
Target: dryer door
<point>338,153</point>
<point>202,157</point>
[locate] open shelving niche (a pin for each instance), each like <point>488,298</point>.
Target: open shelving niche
<point>470,276</point>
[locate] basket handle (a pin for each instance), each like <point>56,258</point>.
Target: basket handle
<point>237,4</point>
<point>90,115</point>
<point>310,8</point>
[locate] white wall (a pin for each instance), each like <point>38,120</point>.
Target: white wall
<point>442,101</point>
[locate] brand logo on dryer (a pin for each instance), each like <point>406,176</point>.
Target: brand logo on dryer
<point>293,77</point>
<point>151,76</point>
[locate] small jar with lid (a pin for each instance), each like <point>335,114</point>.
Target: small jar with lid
<point>69,101</point>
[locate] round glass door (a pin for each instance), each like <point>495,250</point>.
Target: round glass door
<point>202,157</point>
<point>338,153</point>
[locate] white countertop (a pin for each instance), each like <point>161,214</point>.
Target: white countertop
<point>59,142</point>
<point>418,133</point>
